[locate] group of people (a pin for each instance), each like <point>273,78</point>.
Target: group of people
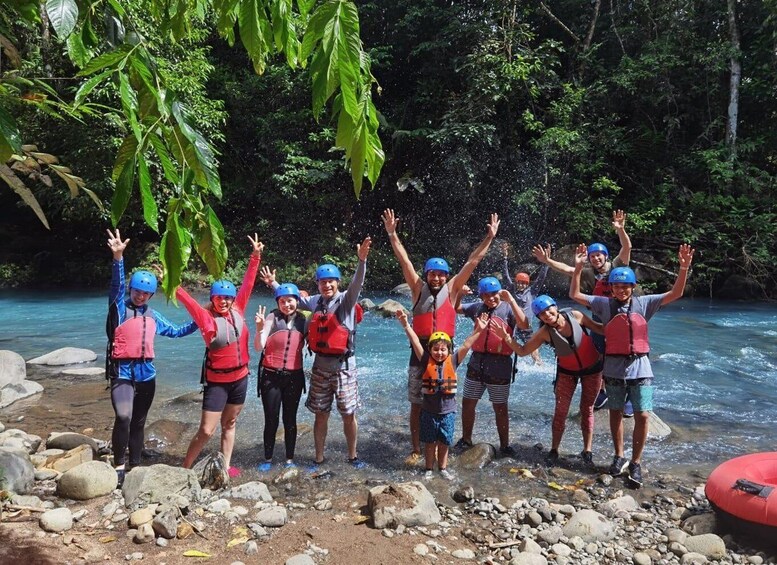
<point>616,368</point>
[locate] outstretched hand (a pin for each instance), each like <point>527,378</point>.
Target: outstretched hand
<point>493,225</point>
<point>618,220</point>
<point>116,244</point>
<point>260,318</point>
<point>363,249</point>
<point>159,270</point>
<point>581,255</point>
<point>401,315</point>
<point>505,248</point>
<point>685,255</point>
<point>505,295</point>
<point>267,275</point>
<point>481,322</point>
<point>541,254</point>
<point>498,329</point>
<point>258,245</point>
<point>390,221</point>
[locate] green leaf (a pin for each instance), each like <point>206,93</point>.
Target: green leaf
<point>210,243</point>
<point>127,151</point>
<point>77,51</point>
<point>63,15</point>
<point>88,86</point>
<point>123,191</point>
<point>198,153</point>
<point>305,6</point>
<point>168,167</point>
<point>10,140</point>
<point>174,250</point>
<point>109,59</point>
<point>254,32</point>
<point>24,193</point>
<point>150,211</point>
<point>316,26</point>
<point>226,16</point>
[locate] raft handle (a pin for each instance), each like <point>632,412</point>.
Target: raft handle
<point>755,489</point>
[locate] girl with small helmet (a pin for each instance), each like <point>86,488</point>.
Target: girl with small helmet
<point>280,337</point>
<point>132,326</point>
<point>225,370</point>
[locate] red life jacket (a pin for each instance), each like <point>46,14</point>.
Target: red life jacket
<point>432,382</point>
<point>626,334</point>
<point>327,335</point>
<point>283,350</point>
<point>434,313</point>
<point>602,287</point>
<point>226,358</point>
<point>134,338</point>
<point>575,355</point>
<point>487,341</point>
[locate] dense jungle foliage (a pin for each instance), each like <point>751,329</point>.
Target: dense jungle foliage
<point>550,113</point>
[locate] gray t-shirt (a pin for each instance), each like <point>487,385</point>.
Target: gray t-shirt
<point>626,367</point>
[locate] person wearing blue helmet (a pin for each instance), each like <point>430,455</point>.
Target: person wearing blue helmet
<point>434,296</point>
<point>129,358</point>
<point>280,337</point>
<point>627,370</point>
<point>331,334</point>
<point>491,366</point>
<point>225,370</point>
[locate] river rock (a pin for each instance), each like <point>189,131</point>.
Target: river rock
<point>145,534</point>
<point>163,433</point>
<point>27,500</point>
<point>529,559</point>
<point>642,559</point>
<point>272,516</point>
<point>19,439</point>
<point>409,504</point>
<point>389,308</point>
<point>140,516</point>
<point>367,304</point>
<point>69,459</point>
<point>403,290</point>
<point>87,480</point>
<point>65,356</point>
<point>16,391</point>
<point>701,524</point>
<point>57,520</point>
<point>70,440</point>
<point>253,490</point>
<point>477,456</point>
<point>165,523</point>
<point>12,368</point>
<point>464,494</point>
<point>709,545</point>
<point>146,485</point>
<point>623,503</point>
<point>85,372</point>
<point>300,559</point>
<point>693,559</point>
<point>18,472</point>
<point>589,525</point>
<point>464,554</point>
<point>528,545</point>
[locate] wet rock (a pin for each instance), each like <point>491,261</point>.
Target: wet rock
<point>273,517</point>
<point>12,368</point>
<point>464,494</point>
<point>477,456</point>
<point>57,520</point>
<point>409,504</point>
<point>18,472</point>
<point>389,308</point>
<point>402,289</point>
<point>88,480</point>
<point>70,440</point>
<point>589,525</point>
<point>253,490</point>
<point>65,356</point>
<point>146,485</point>
<point>367,304</point>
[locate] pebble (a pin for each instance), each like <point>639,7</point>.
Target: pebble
<point>464,554</point>
<point>251,548</point>
<point>421,549</point>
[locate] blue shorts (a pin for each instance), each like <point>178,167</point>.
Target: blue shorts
<point>437,427</point>
<point>218,395</point>
<point>638,391</point>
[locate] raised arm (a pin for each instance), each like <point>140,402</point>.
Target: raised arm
<point>247,286</point>
<point>480,325</point>
<point>585,321</point>
<point>520,318</point>
<point>619,223</point>
<point>685,257</point>
<point>262,324</point>
<point>117,247</point>
<point>412,337</point>
<point>581,257</point>
<point>390,222</point>
<point>507,281</point>
<point>355,288</point>
<point>460,279</point>
<point>539,280</point>
<point>542,254</point>
<point>537,339</point>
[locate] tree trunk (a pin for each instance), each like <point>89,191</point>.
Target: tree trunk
<point>734,81</point>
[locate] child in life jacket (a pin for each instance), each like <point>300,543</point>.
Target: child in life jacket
<point>280,337</point>
<point>225,367</point>
<point>627,370</point>
<point>524,292</point>
<point>577,359</point>
<point>131,327</point>
<point>438,411</point>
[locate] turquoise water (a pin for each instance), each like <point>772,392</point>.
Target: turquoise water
<point>715,365</point>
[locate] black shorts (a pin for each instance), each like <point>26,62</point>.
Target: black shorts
<point>218,395</point>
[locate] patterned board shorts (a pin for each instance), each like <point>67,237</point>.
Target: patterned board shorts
<point>437,427</point>
<point>639,391</point>
<point>329,386</point>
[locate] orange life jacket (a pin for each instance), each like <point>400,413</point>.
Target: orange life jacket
<point>434,313</point>
<point>432,382</point>
<point>626,334</point>
<point>283,350</point>
<point>134,338</point>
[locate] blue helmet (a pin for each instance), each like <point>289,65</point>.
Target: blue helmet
<point>541,303</point>
<point>287,289</point>
<point>327,271</point>
<point>223,288</point>
<point>598,248</point>
<point>623,275</point>
<point>489,284</point>
<point>437,264</point>
<point>143,281</point>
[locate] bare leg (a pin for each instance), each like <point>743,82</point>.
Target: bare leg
<point>351,431</point>
<point>616,431</point>
<point>442,455</point>
<point>208,423</point>
<point>502,424</point>
<point>639,437</point>
<point>228,421</point>
<point>320,427</point>
<point>467,418</point>
<point>415,427</point>
<point>430,452</point>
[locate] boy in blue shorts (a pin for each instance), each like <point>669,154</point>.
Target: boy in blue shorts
<point>438,386</point>
<point>627,370</point>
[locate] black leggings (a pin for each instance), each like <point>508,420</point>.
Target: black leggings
<point>281,389</point>
<point>131,402</point>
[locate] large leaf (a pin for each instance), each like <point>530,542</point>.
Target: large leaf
<point>10,140</point>
<point>174,250</point>
<point>123,191</point>
<point>77,51</point>
<point>63,15</point>
<point>150,210</point>
<point>197,152</point>
<point>88,86</point>
<point>168,167</point>
<point>254,32</point>
<point>127,151</point>
<point>226,16</point>
<point>109,59</point>
<point>25,193</point>
<point>209,238</point>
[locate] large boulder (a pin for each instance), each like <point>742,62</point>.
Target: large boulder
<point>16,391</point>
<point>88,480</point>
<point>18,473</point>
<point>710,546</point>
<point>12,368</point>
<point>589,525</point>
<point>402,289</point>
<point>154,484</point>
<point>70,440</point>
<point>657,428</point>
<point>85,372</point>
<point>389,308</point>
<point>65,356</point>
<point>19,439</point>
<point>408,504</point>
